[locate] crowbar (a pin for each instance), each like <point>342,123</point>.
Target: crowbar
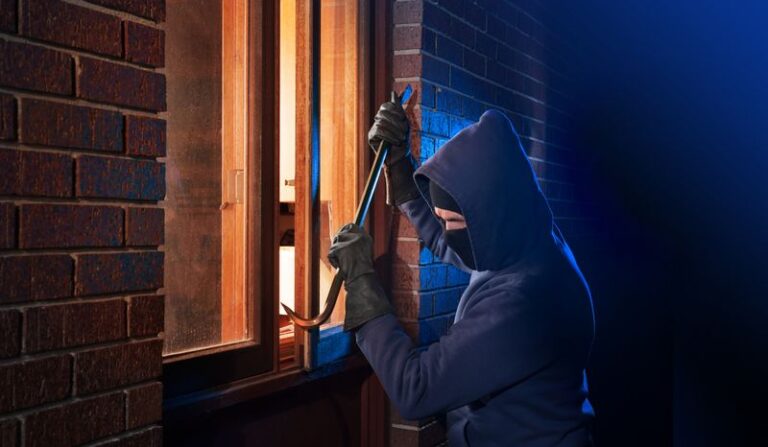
<point>360,214</point>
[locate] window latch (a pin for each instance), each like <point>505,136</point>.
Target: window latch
<point>235,193</point>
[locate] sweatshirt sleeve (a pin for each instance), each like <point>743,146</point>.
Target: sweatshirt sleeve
<point>497,343</point>
<point>430,231</point>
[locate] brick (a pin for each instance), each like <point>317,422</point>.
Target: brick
<point>35,68</point>
<point>144,226</point>
<point>407,38</point>
<point>59,226</point>
<point>77,422</point>
<point>30,173</point>
<point>110,83</point>
<point>34,382</point>
<point>62,326</point>
<point>116,366</point>
<point>118,272</point>
<point>474,62</point>
<point>145,405</point>
<point>145,137</point>
<point>10,328</point>
<point>149,9</point>
<point>435,17</point>
<point>144,45</point>
<point>434,70</point>
<point>433,276</point>
<point>404,277</point>
<point>71,25</point>
<point>446,301</point>
<point>436,123</point>
<point>61,125</point>
<point>449,102</point>
<point>448,49</point>
<point>407,12</point>
<point>485,45</point>
<point>9,433</point>
<point>30,278</point>
<point>119,178</point>
<point>411,306</point>
<point>7,117</point>
<point>403,227</point>
<point>406,65</point>
<point>7,226</point>
<point>152,437</point>
<point>146,315</point>
<point>408,251</point>
<point>8,10</point>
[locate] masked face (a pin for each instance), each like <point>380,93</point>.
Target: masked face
<point>456,234</point>
<point>458,240</point>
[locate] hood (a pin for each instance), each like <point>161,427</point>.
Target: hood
<point>485,169</point>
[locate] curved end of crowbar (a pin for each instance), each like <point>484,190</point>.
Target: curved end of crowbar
<point>309,323</point>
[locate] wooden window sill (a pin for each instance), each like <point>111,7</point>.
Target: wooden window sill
<point>192,405</point>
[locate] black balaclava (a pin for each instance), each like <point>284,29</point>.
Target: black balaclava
<point>458,240</point>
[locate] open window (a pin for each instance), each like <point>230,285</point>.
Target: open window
<point>323,154</point>
<point>268,104</point>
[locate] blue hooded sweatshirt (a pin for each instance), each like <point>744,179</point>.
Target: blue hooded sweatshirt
<point>510,370</point>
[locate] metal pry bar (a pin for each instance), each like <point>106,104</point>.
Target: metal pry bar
<point>360,215</point>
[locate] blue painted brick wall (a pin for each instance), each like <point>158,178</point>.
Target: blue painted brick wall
<point>475,55</point>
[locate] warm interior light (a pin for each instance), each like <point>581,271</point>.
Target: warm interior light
<point>287,289</point>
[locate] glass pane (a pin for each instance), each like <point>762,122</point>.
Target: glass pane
<point>205,207</point>
<point>340,141</point>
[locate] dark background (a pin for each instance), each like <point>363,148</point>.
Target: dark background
<point>670,100</point>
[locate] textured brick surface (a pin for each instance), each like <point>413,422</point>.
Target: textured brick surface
<point>70,25</point>
<point>120,178</point>
<point>29,278</point>
<point>77,422</point>
<point>9,432</point>
<point>146,315</point>
<point>35,174</point>
<point>7,117</point>
<point>144,226</point>
<point>408,12</point>
<point>44,225</point>
<point>144,405</point>
<point>68,369</point>
<point>145,136</point>
<point>34,382</point>
<point>144,45</point>
<point>35,68</point>
<point>120,85</point>
<point>53,124</point>
<point>62,326</point>
<point>7,226</point>
<point>107,368</point>
<point>150,9</point>
<point>119,272</point>
<point>8,10</point>
<point>10,327</point>
<point>151,437</point>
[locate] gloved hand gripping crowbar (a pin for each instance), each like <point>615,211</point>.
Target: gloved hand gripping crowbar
<point>360,214</point>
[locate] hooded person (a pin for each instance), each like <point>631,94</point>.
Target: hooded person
<point>511,368</point>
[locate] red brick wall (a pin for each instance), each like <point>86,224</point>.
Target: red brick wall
<point>463,57</point>
<point>81,86</point>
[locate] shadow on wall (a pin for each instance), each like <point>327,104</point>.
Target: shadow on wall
<point>672,108</point>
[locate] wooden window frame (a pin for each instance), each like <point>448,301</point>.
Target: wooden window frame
<point>214,379</point>
<point>206,368</point>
